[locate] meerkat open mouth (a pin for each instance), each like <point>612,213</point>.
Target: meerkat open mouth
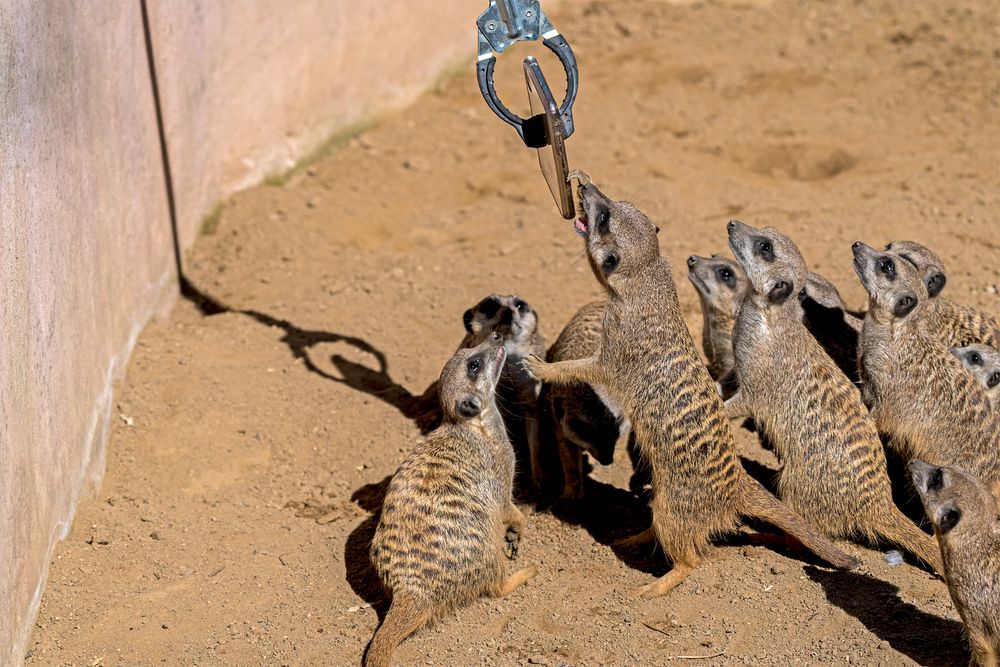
<point>501,356</point>
<point>581,225</point>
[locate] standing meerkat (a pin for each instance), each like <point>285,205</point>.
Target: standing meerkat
<point>984,364</point>
<point>952,323</point>
<point>648,362</point>
<point>514,319</point>
<point>833,466</point>
<point>447,518</point>
<point>720,283</point>
<point>585,418</point>
<point>965,518</point>
<point>919,394</point>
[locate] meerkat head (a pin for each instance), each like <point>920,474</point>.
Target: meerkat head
<point>620,239</point>
<point>896,289</point>
<point>720,282</point>
<point>982,361</point>
<point>956,502</point>
<point>469,379</point>
<point>510,316</point>
<point>773,264</point>
<point>929,265</point>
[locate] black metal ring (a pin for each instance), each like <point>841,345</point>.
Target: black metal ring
<point>558,45</point>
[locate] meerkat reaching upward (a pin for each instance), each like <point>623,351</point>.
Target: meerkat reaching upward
<point>965,517</point>
<point>447,518</point>
<point>517,322</point>
<point>833,466</point>
<point>952,323</point>
<point>919,394</point>
<point>984,364</point>
<point>648,363</point>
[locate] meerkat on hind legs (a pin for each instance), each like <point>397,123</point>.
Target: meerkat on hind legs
<point>648,363</point>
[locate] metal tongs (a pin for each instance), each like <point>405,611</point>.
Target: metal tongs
<point>504,23</point>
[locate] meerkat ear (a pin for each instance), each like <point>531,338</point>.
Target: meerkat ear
<point>610,263</point>
<point>657,228</point>
<point>948,518</point>
<point>467,320</point>
<point>936,283</point>
<point>993,379</point>
<point>469,406</point>
<point>904,305</point>
<point>780,292</point>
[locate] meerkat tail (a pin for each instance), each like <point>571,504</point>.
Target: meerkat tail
<point>405,617</point>
<point>758,503</point>
<point>898,529</point>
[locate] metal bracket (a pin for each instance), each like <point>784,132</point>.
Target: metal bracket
<point>508,21</point>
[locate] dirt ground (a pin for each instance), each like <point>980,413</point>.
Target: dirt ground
<point>253,446</point>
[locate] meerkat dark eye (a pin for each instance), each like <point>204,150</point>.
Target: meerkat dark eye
<point>993,380</point>
<point>726,275</point>
<point>935,284</point>
<point>765,250</point>
<point>936,480</point>
<point>905,305</point>
<point>610,263</point>
<point>604,221</point>
<point>520,306</point>
<point>975,359</point>
<point>473,367</point>
<point>949,519</point>
<point>886,267</point>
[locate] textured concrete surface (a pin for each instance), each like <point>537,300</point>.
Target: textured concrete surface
<point>85,255</point>
<point>85,244</point>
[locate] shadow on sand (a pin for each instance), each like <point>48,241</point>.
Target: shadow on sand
<point>927,639</point>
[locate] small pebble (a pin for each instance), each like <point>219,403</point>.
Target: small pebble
<point>893,558</point>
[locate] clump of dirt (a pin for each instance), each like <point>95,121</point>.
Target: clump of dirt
<point>234,521</point>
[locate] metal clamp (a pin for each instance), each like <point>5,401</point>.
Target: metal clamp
<point>508,21</point>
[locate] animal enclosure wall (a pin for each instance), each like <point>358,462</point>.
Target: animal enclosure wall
<point>86,249</point>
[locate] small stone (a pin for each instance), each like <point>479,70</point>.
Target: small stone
<point>893,558</point>
<point>778,569</point>
<point>156,535</point>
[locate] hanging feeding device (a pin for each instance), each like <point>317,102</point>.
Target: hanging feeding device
<point>504,23</point>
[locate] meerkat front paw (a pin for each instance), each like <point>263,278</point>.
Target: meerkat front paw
<point>534,367</point>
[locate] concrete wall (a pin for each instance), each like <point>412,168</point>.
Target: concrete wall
<point>85,243</point>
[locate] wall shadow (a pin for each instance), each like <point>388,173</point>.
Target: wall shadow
<point>927,639</point>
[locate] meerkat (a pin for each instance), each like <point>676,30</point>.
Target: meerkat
<point>918,393</point>
<point>965,517</point>
<point>952,323</point>
<point>584,417</point>
<point>447,519</point>
<point>720,284</point>
<point>648,363</point>
<point>514,319</point>
<point>833,466</point>
<point>984,364</point>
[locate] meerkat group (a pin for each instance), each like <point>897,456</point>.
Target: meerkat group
<point>823,384</point>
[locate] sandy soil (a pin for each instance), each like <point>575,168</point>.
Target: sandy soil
<point>253,445</point>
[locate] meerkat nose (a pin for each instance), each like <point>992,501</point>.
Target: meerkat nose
<point>855,245</point>
<point>692,260</point>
